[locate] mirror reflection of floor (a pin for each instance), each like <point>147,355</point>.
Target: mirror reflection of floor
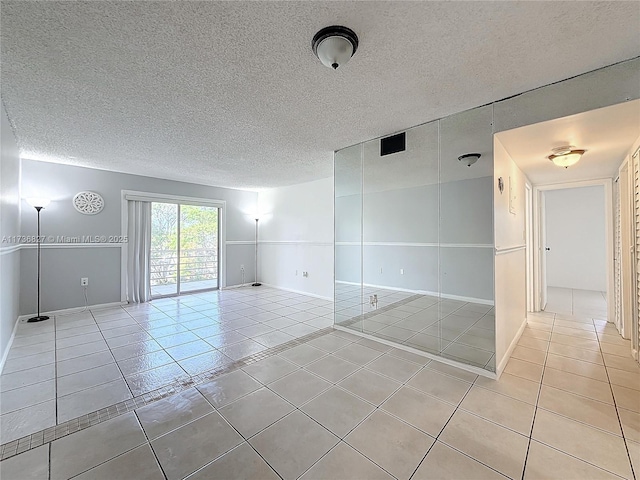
<point>453,329</point>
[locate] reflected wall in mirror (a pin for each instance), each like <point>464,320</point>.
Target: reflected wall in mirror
<point>414,239</point>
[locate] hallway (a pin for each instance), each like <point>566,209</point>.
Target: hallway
<point>569,301</point>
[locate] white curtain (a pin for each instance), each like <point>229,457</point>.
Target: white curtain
<point>139,255</point>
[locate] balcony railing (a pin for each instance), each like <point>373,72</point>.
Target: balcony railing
<point>196,265</point>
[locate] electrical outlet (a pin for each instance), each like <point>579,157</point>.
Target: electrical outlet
<point>242,268</point>
<point>305,274</point>
<point>84,282</point>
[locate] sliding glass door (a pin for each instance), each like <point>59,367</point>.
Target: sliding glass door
<point>184,249</point>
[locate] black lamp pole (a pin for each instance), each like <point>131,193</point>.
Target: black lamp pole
<point>39,317</point>
<point>256,284</point>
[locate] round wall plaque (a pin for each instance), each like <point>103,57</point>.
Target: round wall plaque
<point>89,203</point>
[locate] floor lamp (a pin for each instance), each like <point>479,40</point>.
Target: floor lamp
<point>256,284</point>
<point>38,204</point>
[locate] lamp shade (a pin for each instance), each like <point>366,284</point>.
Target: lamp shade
<point>38,202</point>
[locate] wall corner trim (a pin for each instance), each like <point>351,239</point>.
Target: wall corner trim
<point>514,343</point>
<point>9,344</point>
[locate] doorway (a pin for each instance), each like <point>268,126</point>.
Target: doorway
<point>184,249</point>
<point>574,257</point>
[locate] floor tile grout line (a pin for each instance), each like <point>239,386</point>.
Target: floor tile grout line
<point>535,410</point>
<point>150,445</point>
<point>615,407</point>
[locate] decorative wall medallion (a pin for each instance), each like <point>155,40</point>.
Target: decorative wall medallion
<point>89,203</point>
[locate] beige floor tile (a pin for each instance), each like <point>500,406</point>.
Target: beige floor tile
<point>520,368</point>
<point>452,371</point>
<point>75,382</point>
<point>623,363</point>
<point>491,444</point>
<point>577,367</point>
<point>392,444</point>
<point>343,462</point>
<point>270,369</point>
<point>587,443</point>
<point>371,386</point>
<point>28,420</point>
<point>24,378</point>
<point>92,399</point>
<point>630,424</point>
<point>546,463</point>
<point>634,453</point>
<point>293,444</point>
<point>27,396</point>
<point>535,343</point>
<point>303,354</point>
<point>299,387</point>
<point>30,465</point>
<point>172,412</point>
<point>577,384</point>
<point>624,378</point>
<point>338,411</point>
<point>393,367</point>
<point>500,409</point>
<point>240,463</point>
<point>529,354</point>
<point>446,463</point>
<point>574,341</point>
<point>545,327</point>
<point>193,445</point>
<point>439,385</point>
<point>228,388</point>
<point>329,343</point>
<point>576,352</point>
<point>422,411</point>
<point>140,460</point>
<point>332,368</point>
<point>569,325</point>
<point>410,356</point>
<point>512,386</point>
<point>613,339</point>
<point>626,398</point>
<point>80,451</point>
<point>255,411</point>
<point>381,347</point>
<point>620,350</point>
<point>358,354</point>
<point>535,333</point>
<point>582,409</point>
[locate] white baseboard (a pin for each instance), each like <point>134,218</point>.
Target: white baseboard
<point>71,311</point>
<point>503,363</point>
<point>447,361</point>
<point>8,347</point>
<point>240,285</point>
<point>298,291</point>
<point>448,296</point>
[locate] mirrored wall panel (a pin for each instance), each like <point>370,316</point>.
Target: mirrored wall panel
<point>414,238</point>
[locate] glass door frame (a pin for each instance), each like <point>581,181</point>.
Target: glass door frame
<point>179,249</point>
<point>221,205</point>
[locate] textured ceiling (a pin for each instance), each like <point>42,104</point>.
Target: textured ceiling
<point>230,94</point>
<point>607,134</point>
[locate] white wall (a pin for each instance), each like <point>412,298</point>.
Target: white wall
<point>9,226</point>
<point>510,258</point>
<point>296,235</point>
<point>575,223</point>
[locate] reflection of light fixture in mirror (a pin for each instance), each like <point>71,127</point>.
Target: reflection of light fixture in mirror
<point>38,204</point>
<point>565,156</point>
<point>469,158</point>
<point>334,45</point>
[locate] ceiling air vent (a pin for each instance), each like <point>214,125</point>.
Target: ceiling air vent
<point>393,144</point>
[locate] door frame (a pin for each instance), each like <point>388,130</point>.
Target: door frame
<point>539,227</point>
<point>529,245</point>
<point>127,195</point>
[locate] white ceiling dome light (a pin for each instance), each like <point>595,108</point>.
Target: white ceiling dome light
<point>334,45</point>
<point>566,156</point>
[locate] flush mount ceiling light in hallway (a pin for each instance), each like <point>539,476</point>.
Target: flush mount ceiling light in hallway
<point>334,45</point>
<point>469,158</point>
<point>565,156</point>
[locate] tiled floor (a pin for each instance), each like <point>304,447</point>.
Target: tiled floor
<point>342,407</point>
<point>453,329</point>
<point>63,368</point>
<point>576,302</point>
